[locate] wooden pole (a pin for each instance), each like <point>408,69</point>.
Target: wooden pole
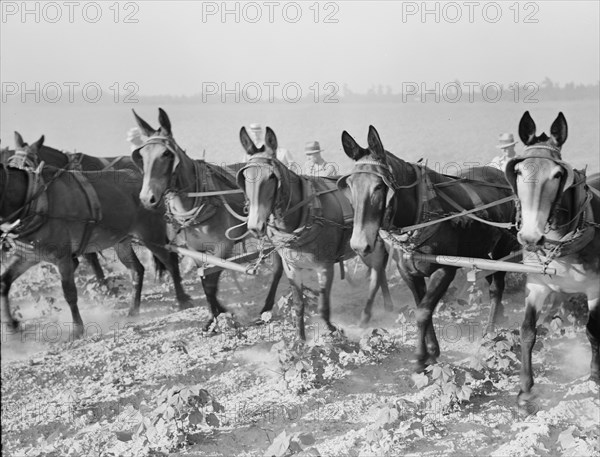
<point>213,260</point>
<point>484,264</point>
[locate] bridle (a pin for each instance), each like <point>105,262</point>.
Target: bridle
<point>265,161</point>
<point>547,152</point>
<point>386,174</point>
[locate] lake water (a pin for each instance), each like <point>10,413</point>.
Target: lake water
<point>442,133</point>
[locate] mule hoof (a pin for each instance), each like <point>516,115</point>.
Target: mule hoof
<point>431,360</point>
<point>526,404</point>
<point>501,319</point>
<point>133,312</point>
<point>420,365</point>
<point>186,304</point>
<point>364,320</point>
<point>9,322</point>
<point>77,332</point>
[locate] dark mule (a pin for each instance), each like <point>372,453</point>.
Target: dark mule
<point>558,222</point>
<point>65,213</point>
<point>72,161</point>
<point>202,223</point>
<point>389,194</point>
<point>307,219</point>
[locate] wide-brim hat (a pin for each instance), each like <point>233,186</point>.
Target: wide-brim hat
<point>312,147</point>
<point>133,133</point>
<point>506,140</point>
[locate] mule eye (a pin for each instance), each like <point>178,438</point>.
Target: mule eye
<point>558,175</point>
<point>166,153</point>
<point>378,187</point>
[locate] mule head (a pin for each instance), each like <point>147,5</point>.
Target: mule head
<point>26,155</point>
<point>369,191</point>
<point>259,180</point>
<point>539,177</point>
<point>157,158</point>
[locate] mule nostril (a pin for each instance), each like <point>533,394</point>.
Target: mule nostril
<point>541,241</point>
<point>367,249</point>
<point>152,200</point>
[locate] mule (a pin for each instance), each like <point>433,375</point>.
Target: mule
<point>558,221</point>
<point>309,222</point>
<point>389,194</point>
<point>72,161</point>
<point>201,223</point>
<point>65,213</point>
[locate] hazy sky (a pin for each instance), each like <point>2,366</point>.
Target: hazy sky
<point>174,48</point>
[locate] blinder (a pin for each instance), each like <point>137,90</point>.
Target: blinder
<point>257,161</point>
<point>167,142</point>
<point>542,152</point>
<point>374,168</point>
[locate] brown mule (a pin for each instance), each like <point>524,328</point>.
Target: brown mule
<point>67,213</point>
<point>202,223</point>
<point>389,194</point>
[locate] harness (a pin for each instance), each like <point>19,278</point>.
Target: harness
<point>581,226</point>
<point>34,213</point>
<point>207,198</point>
<point>312,219</point>
<point>429,212</point>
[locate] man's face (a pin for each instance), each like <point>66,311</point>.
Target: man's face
<point>314,158</point>
<point>257,137</point>
<point>509,151</point>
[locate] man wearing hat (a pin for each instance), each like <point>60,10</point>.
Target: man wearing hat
<point>135,138</point>
<point>316,166</point>
<point>506,143</point>
<point>258,137</point>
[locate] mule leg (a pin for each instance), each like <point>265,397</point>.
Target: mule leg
<point>496,289</point>
<point>373,286</point>
<point>129,259</point>
<point>325,277</point>
<point>277,272</point>
<point>210,283</point>
<point>383,257</point>
<point>593,334</point>
<point>537,293</point>
<point>428,348</point>
<point>92,259</point>
<point>376,263</point>
<point>171,262</point>
<point>66,267</point>
<point>295,277</point>
<point>17,265</point>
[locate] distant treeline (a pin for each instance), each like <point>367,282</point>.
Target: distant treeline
<point>411,92</point>
<point>268,93</point>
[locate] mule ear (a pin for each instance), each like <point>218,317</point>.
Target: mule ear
<point>559,130</point>
<point>527,129</point>
<point>247,142</point>
<point>165,123</point>
<point>38,144</point>
<point>19,143</point>
<point>351,147</point>
<point>271,139</point>
<point>143,125</point>
<point>375,145</point>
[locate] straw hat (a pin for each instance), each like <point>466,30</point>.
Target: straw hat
<point>312,147</point>
<point>506,140</point>
<point>133,133</point>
